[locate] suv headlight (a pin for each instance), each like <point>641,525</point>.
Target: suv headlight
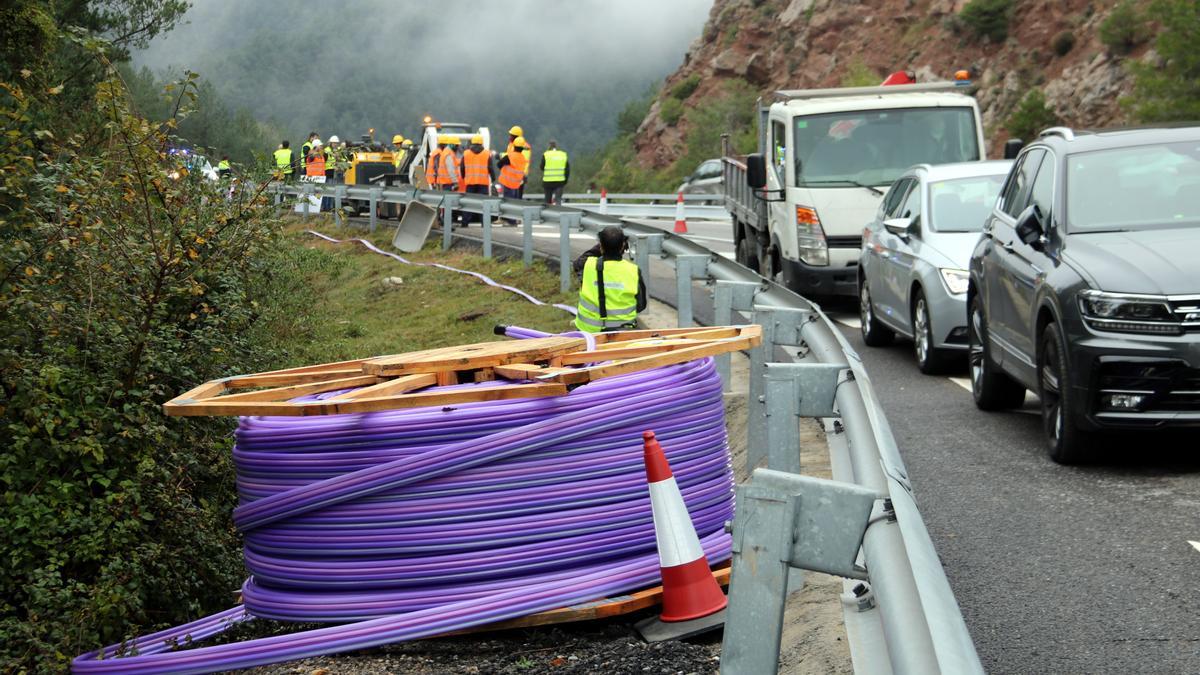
<point>1124,313</point>
<point>955,280</point>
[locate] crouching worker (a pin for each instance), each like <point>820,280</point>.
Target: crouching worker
<point>612,291</point>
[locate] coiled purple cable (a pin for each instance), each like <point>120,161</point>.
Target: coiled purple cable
<point>409,523</point>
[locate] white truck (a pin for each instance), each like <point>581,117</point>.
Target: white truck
<point>825,158</point>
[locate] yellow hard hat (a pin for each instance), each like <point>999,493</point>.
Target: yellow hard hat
<point>451,139</point>
<point>407,143</point>
<point>516,131</point>
<point>443,139</point>
<point>477,138</point>
<point>520,142</point>
<point>397,139</point>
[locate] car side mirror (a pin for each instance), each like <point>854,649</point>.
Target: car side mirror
<point>756,171</point>
<point>1012,148</point>
<point>1030,227</point>
<point>901,227</point>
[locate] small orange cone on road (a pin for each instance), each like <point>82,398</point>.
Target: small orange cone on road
<point>689,589</point>
<point>603,201</point>
<point>680,221</point>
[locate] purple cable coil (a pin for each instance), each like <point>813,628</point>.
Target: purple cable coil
<point>409,523</point>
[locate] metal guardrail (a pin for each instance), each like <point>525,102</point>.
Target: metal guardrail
<point>900,613</point>
<point>650,205</point>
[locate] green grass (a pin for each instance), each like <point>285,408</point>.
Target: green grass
<point>351,313</point>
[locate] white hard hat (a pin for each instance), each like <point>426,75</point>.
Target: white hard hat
<point>334,139</point>
<point>316,143</point>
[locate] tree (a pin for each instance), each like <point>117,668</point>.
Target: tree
<point>1170,90</point>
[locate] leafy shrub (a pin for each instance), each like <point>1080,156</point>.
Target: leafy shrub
<point>120,287</point>
<point>859,74</point>
<point>1170,90</point>
<point>1063,43</point>
<point>1123,30</point>
<point>685,87</point>
<point>634,112</point>
<point>987,18</point>
<point>1031,116</point>
<point>671,110</point>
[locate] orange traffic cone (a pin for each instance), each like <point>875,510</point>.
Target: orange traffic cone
<point>689,589</point>
<point>680,222</point>
<point>603,201</point>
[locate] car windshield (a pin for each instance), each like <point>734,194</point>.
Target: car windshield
<point>873,147</point>
<point>962,204</point>
<point>1131,188</point>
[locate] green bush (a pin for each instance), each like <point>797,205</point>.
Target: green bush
<point>1170,90</point>
<point>120,287</point>
<point>1031,116</point>
<point>1123,29</point>
<point>671,110</point>
<point>685,87</point>
<point>1063,43</point>
<point>987,18</point>
<point>632,115</point>
<point>859,74</point>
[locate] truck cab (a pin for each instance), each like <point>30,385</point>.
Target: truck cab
<point>826,157</point>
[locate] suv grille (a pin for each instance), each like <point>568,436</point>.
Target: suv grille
<point>1170,386</point>
<point>1187,309</point>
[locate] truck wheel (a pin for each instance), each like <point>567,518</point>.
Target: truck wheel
<point>874,333</point>
<point>747,253</point>
<point>770,264</point>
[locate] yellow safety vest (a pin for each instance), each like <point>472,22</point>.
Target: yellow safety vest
<point>398,157</point>
<point>555,170</point>
<point>620,296</point>
<point>222,165</point>
<point>283,160</point>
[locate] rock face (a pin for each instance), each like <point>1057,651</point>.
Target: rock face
<point>798,44</point>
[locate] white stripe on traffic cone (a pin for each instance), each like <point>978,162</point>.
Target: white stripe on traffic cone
<point>689,589</point>
<point>603,201</point>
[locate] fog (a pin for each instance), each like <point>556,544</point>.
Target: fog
<point>560,69</point>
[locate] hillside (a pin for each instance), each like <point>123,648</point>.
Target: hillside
<point>1012,47</point>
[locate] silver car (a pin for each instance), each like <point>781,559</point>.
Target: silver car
<point>707,179</point>
<point>912,270</point>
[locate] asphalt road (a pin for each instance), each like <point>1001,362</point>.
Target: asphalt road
<point>1057,569</point>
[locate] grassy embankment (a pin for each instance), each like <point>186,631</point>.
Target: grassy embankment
<point>353,313</point>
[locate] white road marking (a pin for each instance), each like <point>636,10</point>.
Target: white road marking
<point>1195,544</point>
<point>963,382</point>
<point>849,321</point>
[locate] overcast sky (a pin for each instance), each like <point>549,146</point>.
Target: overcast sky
<point>455,56</point>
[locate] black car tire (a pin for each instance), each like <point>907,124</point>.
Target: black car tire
<point>770,265</point>
<point>991,388</point>
<point>1066,443</point>
<point>930,359</point>
<point>874,333</point>
<point>747,253</point>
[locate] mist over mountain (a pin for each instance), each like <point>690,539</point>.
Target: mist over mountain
<point>562,70</point>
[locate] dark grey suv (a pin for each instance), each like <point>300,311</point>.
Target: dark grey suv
<point>1085,287</point>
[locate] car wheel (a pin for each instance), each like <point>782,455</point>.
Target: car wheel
<point>747,253</point>
<point>1067,443</point>
<point>874,333</point>
<point>991,388</point>
<point>930,359</point>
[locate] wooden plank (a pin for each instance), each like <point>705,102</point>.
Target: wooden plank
<point>282,379</point>
<point>704,333</point>
<point>578,358</point>
<point>485,374</point>
<point>526,371</point>
<point>285,393</point>
<point>471,357</point>
<point>659,360</point>
<point>400,385</point>
<point>206,390</point>
<point>589,611</point>
<point>331,407</point>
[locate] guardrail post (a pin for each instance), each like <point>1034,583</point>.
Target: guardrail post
<point>730,296</point>
<point>643,246</point>
<point>780,326</point>
<point>785,521</point>
<point>485,218</point>
<point>566,222</point>
<point>338,192</point>
<point>375,194</point>
<point>306,193</point>
<point>449,203</point>
<point>795,390</point>
<point>528,215</point>
<point>687,267</point>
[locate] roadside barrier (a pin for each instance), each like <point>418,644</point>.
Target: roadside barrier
<point>899,610</point>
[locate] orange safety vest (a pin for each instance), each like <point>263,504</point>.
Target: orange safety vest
<point>316,164</point>
<point>513,173</point>
<point>449,173</point>
<point>528,152</point>
<point>475,168</point>
<point>431,166</point>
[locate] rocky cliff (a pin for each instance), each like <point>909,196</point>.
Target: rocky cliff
<point>1012,47</point>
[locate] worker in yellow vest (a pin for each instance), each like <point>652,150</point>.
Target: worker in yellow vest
<point>283,161</point>
<point>556,171</point>
<point>335,164</point>
<point>612,291</point>
<point>513,168</point>
<point>223,167</point>
<point>399,151</point>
